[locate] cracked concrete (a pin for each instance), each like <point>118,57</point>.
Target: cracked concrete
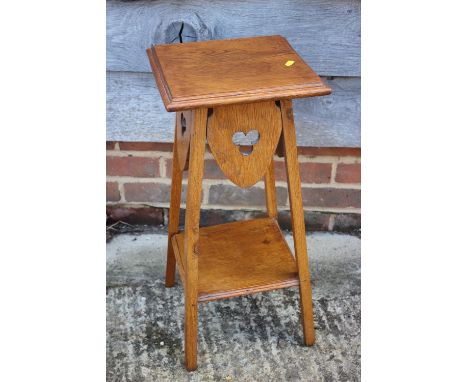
<point>250,338</point>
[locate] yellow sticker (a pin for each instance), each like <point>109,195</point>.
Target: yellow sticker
<point>289,63</point>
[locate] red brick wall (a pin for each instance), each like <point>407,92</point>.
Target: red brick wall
<point>139,178</point>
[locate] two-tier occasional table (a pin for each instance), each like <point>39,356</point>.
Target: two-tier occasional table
<point>235,95</point>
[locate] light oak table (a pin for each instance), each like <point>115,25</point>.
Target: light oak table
<point>235,95</point>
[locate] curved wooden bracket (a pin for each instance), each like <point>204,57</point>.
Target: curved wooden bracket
<point>243,139</point>
<point>184,122</point>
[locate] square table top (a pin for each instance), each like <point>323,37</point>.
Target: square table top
<point>221,72</point>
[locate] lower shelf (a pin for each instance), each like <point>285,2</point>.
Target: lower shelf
<point>240,258</point>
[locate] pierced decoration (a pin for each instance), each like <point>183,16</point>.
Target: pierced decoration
<point>246,142</point>
<point>183,124</point>
<point>182,138</point>
<point>243,153</point>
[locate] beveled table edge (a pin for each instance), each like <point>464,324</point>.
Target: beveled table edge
<point>172,104</point>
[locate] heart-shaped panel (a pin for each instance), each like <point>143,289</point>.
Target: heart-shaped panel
<point>243,139</point>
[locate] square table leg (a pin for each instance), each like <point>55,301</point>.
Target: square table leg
<point>192,220</point>
<point>174,211</point>
<point>270,190</point>
<point>297,218</point>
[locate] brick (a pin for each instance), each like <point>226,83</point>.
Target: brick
<point>112,192</point>
<point>280,170</point>
<point>211,170</point>
<point>144,215</point>
<point>151,192</point>
<point>347,222</point>
<point>146,146</point>
<point>223,194</point>
<point>310,172</point>
<point>331,197</point>
<point>330,151</point>
<point>209,217</point>
<point>110,145</point>
<point>314,221</point>
<point>139,167</point>
<point>307,151</point>
<point>348,173</point>
<point>315,172</point>
<point>169,170</point>
<point>147,192</point>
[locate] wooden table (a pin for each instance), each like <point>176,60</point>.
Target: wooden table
<point>235,95</point>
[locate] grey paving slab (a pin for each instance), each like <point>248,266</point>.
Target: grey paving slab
<point>250,338</point>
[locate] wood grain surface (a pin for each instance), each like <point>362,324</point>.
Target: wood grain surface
<point>326,33</point>
<point>184,121</point>
<point>242,258</point>
<point>191,239</point>
<point>297,220</point>
<point>270,191</point>
<point>244,169</point>
<point>174,215</point>
<point>135,112</point>
<point>222,72</point>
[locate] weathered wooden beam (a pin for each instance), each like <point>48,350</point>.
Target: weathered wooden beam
<point>135,112</point>
<point>326,33</point>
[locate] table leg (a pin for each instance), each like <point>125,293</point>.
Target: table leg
<point>297,217</point>
<point>270,190</point>
<point>192,220</point>
<point>174,211</point>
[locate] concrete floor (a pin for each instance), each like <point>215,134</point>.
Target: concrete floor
<point>249,338</point>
